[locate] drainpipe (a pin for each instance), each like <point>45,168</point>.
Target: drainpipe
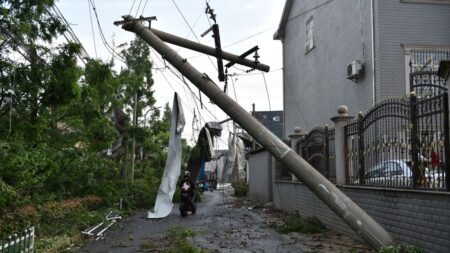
<point>363,224</point>
<point>372,24</point>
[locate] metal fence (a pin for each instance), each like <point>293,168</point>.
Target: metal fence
<point>400,142</point>
<point>427,84</point>
<point>17,243</point>
<point>317,148</point>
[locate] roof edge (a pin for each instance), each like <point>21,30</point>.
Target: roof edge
<point>279,34</point>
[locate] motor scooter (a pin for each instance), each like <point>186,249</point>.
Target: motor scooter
<point>187,204</point>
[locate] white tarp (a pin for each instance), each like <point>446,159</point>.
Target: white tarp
<point>163,204</point>
<point>235,162</point>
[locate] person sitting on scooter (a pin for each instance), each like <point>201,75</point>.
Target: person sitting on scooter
<point>186,185</point>
<point>187,201</point>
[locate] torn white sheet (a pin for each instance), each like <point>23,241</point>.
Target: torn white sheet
<point>163,204</point>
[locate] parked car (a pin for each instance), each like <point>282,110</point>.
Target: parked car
<point>399,173</point>
<point>389,173</point>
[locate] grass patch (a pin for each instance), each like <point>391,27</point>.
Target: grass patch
<point>178,240</point>
<point>308,225</point>
<point>54,244</point>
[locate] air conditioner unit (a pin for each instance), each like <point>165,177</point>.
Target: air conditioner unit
<point>355,70</point>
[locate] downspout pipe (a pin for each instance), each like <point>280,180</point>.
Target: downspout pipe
<point>372,25</point>
<point>364,225</point>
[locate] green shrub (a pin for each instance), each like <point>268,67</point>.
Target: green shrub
<point>400,249</point>
<point>8,196</point>
<point>309,225</point>
<point>240,189</point>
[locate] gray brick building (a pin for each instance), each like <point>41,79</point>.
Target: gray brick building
<point>321,40</point>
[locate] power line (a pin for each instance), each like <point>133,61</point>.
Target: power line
<point>143,9</point>
<point>72,34</point>
<point>139,6</point>
<point>190,27</point>
<point>193,95</point>
<point>132,5</point>
<point>164,76</point>
<point>267,90</point>
<point>92,28</point>
<point>110,49</point>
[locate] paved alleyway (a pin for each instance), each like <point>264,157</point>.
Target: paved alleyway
<point>224,223</point>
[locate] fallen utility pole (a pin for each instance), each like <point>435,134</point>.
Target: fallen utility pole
<point>344,207</point>
<point>172,39</point>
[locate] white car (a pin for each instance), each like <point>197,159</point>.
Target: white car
<point>389,173</point>
<point>398,173</point>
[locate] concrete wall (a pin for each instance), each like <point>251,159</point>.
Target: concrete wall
<point>260,176</point>
<point>415,217</point>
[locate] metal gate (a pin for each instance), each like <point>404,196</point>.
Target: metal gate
<point>315,149</point>
<point>401,142</point>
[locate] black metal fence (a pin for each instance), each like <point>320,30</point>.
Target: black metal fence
<point>317,148</point>
<point>427,84</point>
<point>400,142</point>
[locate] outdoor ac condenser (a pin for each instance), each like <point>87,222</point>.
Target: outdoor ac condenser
<point>355,70</point>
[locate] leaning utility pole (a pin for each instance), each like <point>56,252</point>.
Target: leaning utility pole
<point>133,147</point>
<point>344,207</point>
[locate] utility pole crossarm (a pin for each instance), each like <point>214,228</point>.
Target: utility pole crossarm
<point>335,199</point>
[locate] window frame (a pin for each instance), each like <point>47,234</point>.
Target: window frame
<point>408,48</point>
<point>309,35</point>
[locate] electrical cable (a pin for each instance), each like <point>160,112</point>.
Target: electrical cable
<point>92,28</point>
<point>139,6</point>
<point>132,5</point>
<point>143,9</point>
<point>179,76</point>
<point>102,36</point>
<point>267,90</point>
<point>83,53</point>
<point>234,90</point>
<point>193,33</point>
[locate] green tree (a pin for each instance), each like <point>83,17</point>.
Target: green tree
<point>32,89</point>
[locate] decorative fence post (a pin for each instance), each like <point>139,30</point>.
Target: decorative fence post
<point>295,139</point>
<point>446,142</point>
<point>340,121</point>
<point>414,139</point>
<point>327,152</point>
<point>361,158</point>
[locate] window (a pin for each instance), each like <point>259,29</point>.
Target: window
<point>282,172</point>
<point>309,41</point>
<point>423,58</point>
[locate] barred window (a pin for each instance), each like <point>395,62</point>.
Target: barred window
<point>309,39</point>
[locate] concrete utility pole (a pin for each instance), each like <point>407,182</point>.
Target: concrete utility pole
<point>172,39</point>
<point>343,206</point>
<point>133,147</point>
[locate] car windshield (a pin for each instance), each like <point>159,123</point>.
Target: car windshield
<point>384,169</point>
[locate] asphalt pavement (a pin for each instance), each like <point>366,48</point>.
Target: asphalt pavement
<point>223,223</point>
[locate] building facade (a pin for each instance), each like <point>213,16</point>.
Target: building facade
<point>356,53</point>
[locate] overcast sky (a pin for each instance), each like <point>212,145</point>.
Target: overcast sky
<point>243,24</point>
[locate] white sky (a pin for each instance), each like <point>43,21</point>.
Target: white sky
<point>238,20</point>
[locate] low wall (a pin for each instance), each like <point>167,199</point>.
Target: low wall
<point>420,218</point>
<point>260,176</point>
